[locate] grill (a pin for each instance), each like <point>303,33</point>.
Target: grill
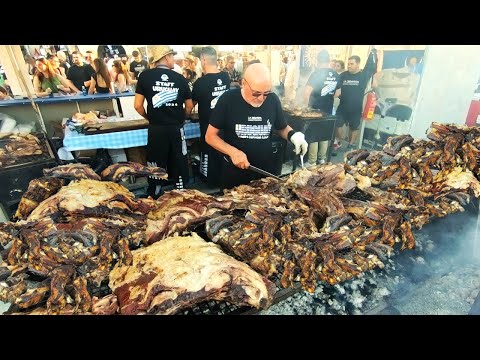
<point>316,126</point>
<point>225,308</point>
<point>17,162</point>
<point>16,177</point>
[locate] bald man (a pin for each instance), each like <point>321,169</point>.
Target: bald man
<point>247,117</point>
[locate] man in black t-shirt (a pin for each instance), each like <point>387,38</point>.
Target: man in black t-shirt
<point>166,92</point>
<point>247,117</point>
<point>110,51</point>
<point>351,89</point>
<point>137,65</point>
<point>79,73</point>
<point>206,92</point>
<point>318,95</point>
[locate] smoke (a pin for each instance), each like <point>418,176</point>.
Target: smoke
<point>442,275</point>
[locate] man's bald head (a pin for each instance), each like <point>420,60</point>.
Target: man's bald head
<point>257,84</point>
<point>258,74</point>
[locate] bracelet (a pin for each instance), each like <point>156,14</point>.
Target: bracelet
<point>290,133</point>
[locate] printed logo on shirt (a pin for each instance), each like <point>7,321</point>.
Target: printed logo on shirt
<point>164,77</point>
<point>139,69</point>
<point>217,92</point>
<point>166,93</point>
<point>256,118</point>
<point>257,132</point>
<point>328,88</point>
<point>351,82</point>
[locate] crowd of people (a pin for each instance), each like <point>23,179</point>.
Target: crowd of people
<point>238,109</point>
<point>63,73</point>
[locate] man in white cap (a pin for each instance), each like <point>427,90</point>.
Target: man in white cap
<point>167,93</point>
<point>247,117</point>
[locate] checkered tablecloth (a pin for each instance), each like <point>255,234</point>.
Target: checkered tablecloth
<point>192,130</point>
<point>117,140</point>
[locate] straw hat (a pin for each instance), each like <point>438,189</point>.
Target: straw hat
<point>157,52</point>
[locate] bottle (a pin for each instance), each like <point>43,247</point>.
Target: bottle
<point>84,90</point>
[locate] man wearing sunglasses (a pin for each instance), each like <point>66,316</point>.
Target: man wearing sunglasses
<point>246,117</point>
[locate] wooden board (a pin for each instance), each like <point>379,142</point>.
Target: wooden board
<point>109,127</point>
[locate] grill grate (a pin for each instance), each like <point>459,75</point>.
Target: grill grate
<point>225,308</point>
<point>358,194</point>
<point>15,162</point>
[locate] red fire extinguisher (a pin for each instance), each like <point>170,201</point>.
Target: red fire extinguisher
<point>370,104</point>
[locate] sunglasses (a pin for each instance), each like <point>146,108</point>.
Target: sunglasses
<point>257,94</point>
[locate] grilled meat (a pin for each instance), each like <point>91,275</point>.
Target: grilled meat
<point>38,190</point>
<point>72,172</point>
<point>88,197</point>
<point>394,144</point>
<point>181,271</point>
<point>121,170</point>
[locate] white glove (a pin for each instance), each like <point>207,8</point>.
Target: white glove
<point>301,146</point>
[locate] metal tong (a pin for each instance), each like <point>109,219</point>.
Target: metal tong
<point>255,169</point>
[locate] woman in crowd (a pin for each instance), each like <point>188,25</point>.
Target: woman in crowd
<point>55,62</point>
<point>220,64</point>
<point>339,66</point>
<point>121,77</point>
<point>189,63</point>
<point>188,74</point>
<point>46,81</point>
<point>100,81</point>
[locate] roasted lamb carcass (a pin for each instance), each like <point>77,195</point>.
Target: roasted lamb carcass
<point>38,190</point>
<point>354,156</point>
<point>322,200</point>
<point>438,131</point>
<point>328,176</point>
<point>68,255</point>
<point>181,271</point>
<point>265,192</point>
<point>471,157</point>
<point>91,197</point>
<point>23,145</point>
<point>121,170</point>
<point>395,143</point>
<point>177,210</point>
<point>456,179</point>
<point>72,172</point>
<point>107,305</point>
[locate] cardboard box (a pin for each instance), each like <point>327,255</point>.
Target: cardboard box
<point>86,153</point>
<point>137,154</point>
<point>117,155</point>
